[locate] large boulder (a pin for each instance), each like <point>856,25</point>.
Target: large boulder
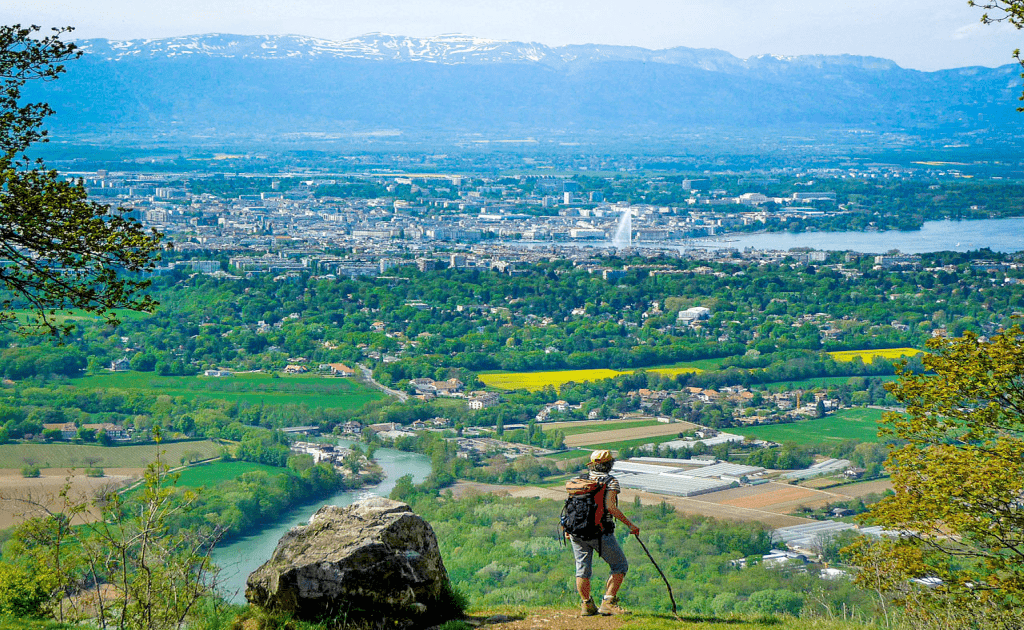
<point>375,559</point>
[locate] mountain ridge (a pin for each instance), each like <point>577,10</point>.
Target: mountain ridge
<point>449,48</point>
<point>463,89</point>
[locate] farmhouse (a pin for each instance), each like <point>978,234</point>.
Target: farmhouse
<point>483,400</point>
<point>340,369</point>
<point>68,430</point>
<point>120,365</point>
<point>113,431</point>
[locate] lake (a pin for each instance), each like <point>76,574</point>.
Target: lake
<point>1000,235</point>
<point>242,556</point>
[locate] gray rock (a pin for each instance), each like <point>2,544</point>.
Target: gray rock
<point>374,559</point>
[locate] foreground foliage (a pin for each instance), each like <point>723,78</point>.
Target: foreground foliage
<point>503,552</point>
<point>959,483</point>
<point>67,252</point>
<point>127,570</point>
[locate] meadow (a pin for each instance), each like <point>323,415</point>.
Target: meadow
<point>253,388</point>
<point>822,382</point>
<point>533,381</point>
<point>213,473</point>
<point>847,424</point>
<point>867,356</point>
<point>87,455</point>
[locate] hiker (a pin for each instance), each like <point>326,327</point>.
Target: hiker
<point>605,545</point>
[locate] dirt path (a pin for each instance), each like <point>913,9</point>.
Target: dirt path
<point>548,619</point>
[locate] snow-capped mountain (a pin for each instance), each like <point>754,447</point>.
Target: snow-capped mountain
<point>457,85</point>
<point>444,49</point>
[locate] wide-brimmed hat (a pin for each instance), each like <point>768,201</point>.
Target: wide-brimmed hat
<point>600,457</point>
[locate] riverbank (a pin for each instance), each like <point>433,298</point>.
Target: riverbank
<point>243,555</point>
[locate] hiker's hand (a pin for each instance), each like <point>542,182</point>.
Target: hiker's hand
<point>634,530</point>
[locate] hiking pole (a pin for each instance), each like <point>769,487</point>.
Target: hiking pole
<point>667,585</point>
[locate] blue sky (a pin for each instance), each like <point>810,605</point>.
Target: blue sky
<point>921,34</point>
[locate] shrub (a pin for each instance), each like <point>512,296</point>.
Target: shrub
<point>31,471</point>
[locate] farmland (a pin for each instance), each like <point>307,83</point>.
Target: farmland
<point>592,427</point>
<point>534,381</point>
<point>823,382</point>
<point>254,388</point>
<point>867,356</point>
<point>87,455</point>
<point>848,424</point>
<point>650,433</point>
<point>20,497</point>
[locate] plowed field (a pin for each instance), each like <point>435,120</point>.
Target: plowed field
<point>619,435</point>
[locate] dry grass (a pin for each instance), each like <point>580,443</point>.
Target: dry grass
<point>22,498</point>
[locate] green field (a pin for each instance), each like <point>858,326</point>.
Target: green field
<point>309,390</point>
<point>602,426</point>
<point>206,475</point>
<point>87,455</point>
<point>848,424</point>
<point>823,382</point>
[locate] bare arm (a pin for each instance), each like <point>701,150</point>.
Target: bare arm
<point>611,503</point>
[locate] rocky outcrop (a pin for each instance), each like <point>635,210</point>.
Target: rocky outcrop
<point>375,559</point>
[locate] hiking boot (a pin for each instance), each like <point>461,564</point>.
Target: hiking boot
<point>610,606</point>
<point>587,608</point>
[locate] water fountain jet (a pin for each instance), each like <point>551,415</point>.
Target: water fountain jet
<point>623,236</point>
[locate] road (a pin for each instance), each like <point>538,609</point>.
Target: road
<point>368,375</point>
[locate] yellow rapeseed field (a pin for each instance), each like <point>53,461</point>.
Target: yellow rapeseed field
<point>868,355</point>
<point>534,381</point>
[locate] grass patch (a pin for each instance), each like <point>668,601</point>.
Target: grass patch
<point>823,382</point>
<point>207,475</point>
<point>847,424</point>
<point>78,455</point>
<point>18,623</point>
<point>870,355</point>
<point>299,389</point>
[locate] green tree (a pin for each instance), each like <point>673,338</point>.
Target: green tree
<point>65,251</point>
<point>959,481</point>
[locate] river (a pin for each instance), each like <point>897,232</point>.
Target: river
<point>242,556</point>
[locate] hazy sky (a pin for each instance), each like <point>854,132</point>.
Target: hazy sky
<point>922,34</point>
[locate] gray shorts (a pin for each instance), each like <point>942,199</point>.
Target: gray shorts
<point>608,549</point>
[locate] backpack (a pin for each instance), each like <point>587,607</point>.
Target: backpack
<point>583,513</point>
